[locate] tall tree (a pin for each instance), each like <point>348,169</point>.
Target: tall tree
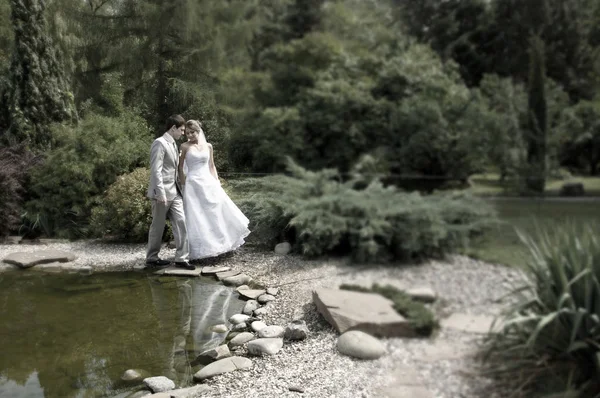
<point>39,91</point>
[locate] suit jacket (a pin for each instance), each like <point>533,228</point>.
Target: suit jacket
<point>164,160</point>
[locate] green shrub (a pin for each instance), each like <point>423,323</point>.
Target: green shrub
<point>551,334</point>
<point>321,214</point>
<point>421,318</point>
<point>124,212</point>
<point>85,160</point>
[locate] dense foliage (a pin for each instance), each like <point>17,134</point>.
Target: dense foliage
<point>88,159</point>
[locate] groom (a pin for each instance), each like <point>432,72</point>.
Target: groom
<point>166,195</point>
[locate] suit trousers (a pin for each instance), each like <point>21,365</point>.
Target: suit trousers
<point>160,211</point>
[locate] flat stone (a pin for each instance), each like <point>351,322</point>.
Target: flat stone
<point>265,346</point>
<point>273,291</point>
<point>296,330</point>
<point>225,365</point>
<point>250,306</point>
<point>367,312</point>
<point>27,260</point>
<point>423,294</point>
<point>251,294</point>
<point>176,271</point>
<point>227,274</point>
<point>265,298</point>
<point>258,325</point>
<point>159,384</point>
<point>237,280</point>
<point>243,287</point>
<point>216,353</point>
<point>241,339</point>
<point>190,392</point>
<point>214,270</point>
<point>271,332</point>
<point>357,344</point>
<point>481,324</point>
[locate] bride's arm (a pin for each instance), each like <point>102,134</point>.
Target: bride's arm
<point>184,149</point>
<point>213,169</point>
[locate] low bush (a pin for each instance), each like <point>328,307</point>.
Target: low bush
<point>550,340</point>
<point>421,318</point>
<point>124,212</point>
<point>321,214</point>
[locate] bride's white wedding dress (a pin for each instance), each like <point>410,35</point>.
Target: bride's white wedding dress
<point>215,225</point>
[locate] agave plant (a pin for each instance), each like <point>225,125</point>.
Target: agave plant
<point>551,334</point>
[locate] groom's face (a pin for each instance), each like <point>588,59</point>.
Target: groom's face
<point>178,131</point>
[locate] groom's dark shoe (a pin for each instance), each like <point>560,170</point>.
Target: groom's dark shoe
<point>184,265</point>
<point>157,263</point>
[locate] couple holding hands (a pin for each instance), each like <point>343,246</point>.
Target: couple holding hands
<point>184,186</point>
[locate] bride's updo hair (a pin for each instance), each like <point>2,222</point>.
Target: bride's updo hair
<point>194,125</point>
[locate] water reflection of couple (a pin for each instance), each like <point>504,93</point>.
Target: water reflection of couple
<point>205,221</point>
<point>185,323</point>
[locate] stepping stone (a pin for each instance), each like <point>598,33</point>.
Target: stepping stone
<point>226,274</point>
<point>367,312</point>
<point>481,324</point>
<point>214,270</point>
<point>27,260</point>
<point>176,271</point>
<point>357,344</point>
<point>243,287</point>
<point>251,294</point>
<point>224,365</point>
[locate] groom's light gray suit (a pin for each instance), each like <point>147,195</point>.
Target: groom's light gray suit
<point>164,183</point>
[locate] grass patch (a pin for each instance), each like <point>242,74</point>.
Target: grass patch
<point>501,243</point>
<point>489,184</point>
<point>421,318</point>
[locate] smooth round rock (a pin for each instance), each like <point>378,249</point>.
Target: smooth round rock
<point>360,345</point>
<point>271,332</point>
<point>239,318</point>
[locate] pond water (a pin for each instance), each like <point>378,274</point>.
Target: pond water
<point>74,335</point>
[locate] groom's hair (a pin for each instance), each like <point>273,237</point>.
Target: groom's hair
<point>176,120</point>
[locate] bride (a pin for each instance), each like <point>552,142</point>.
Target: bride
<point>214,223</point>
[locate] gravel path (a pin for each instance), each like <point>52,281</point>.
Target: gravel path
<point>463,284</point>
